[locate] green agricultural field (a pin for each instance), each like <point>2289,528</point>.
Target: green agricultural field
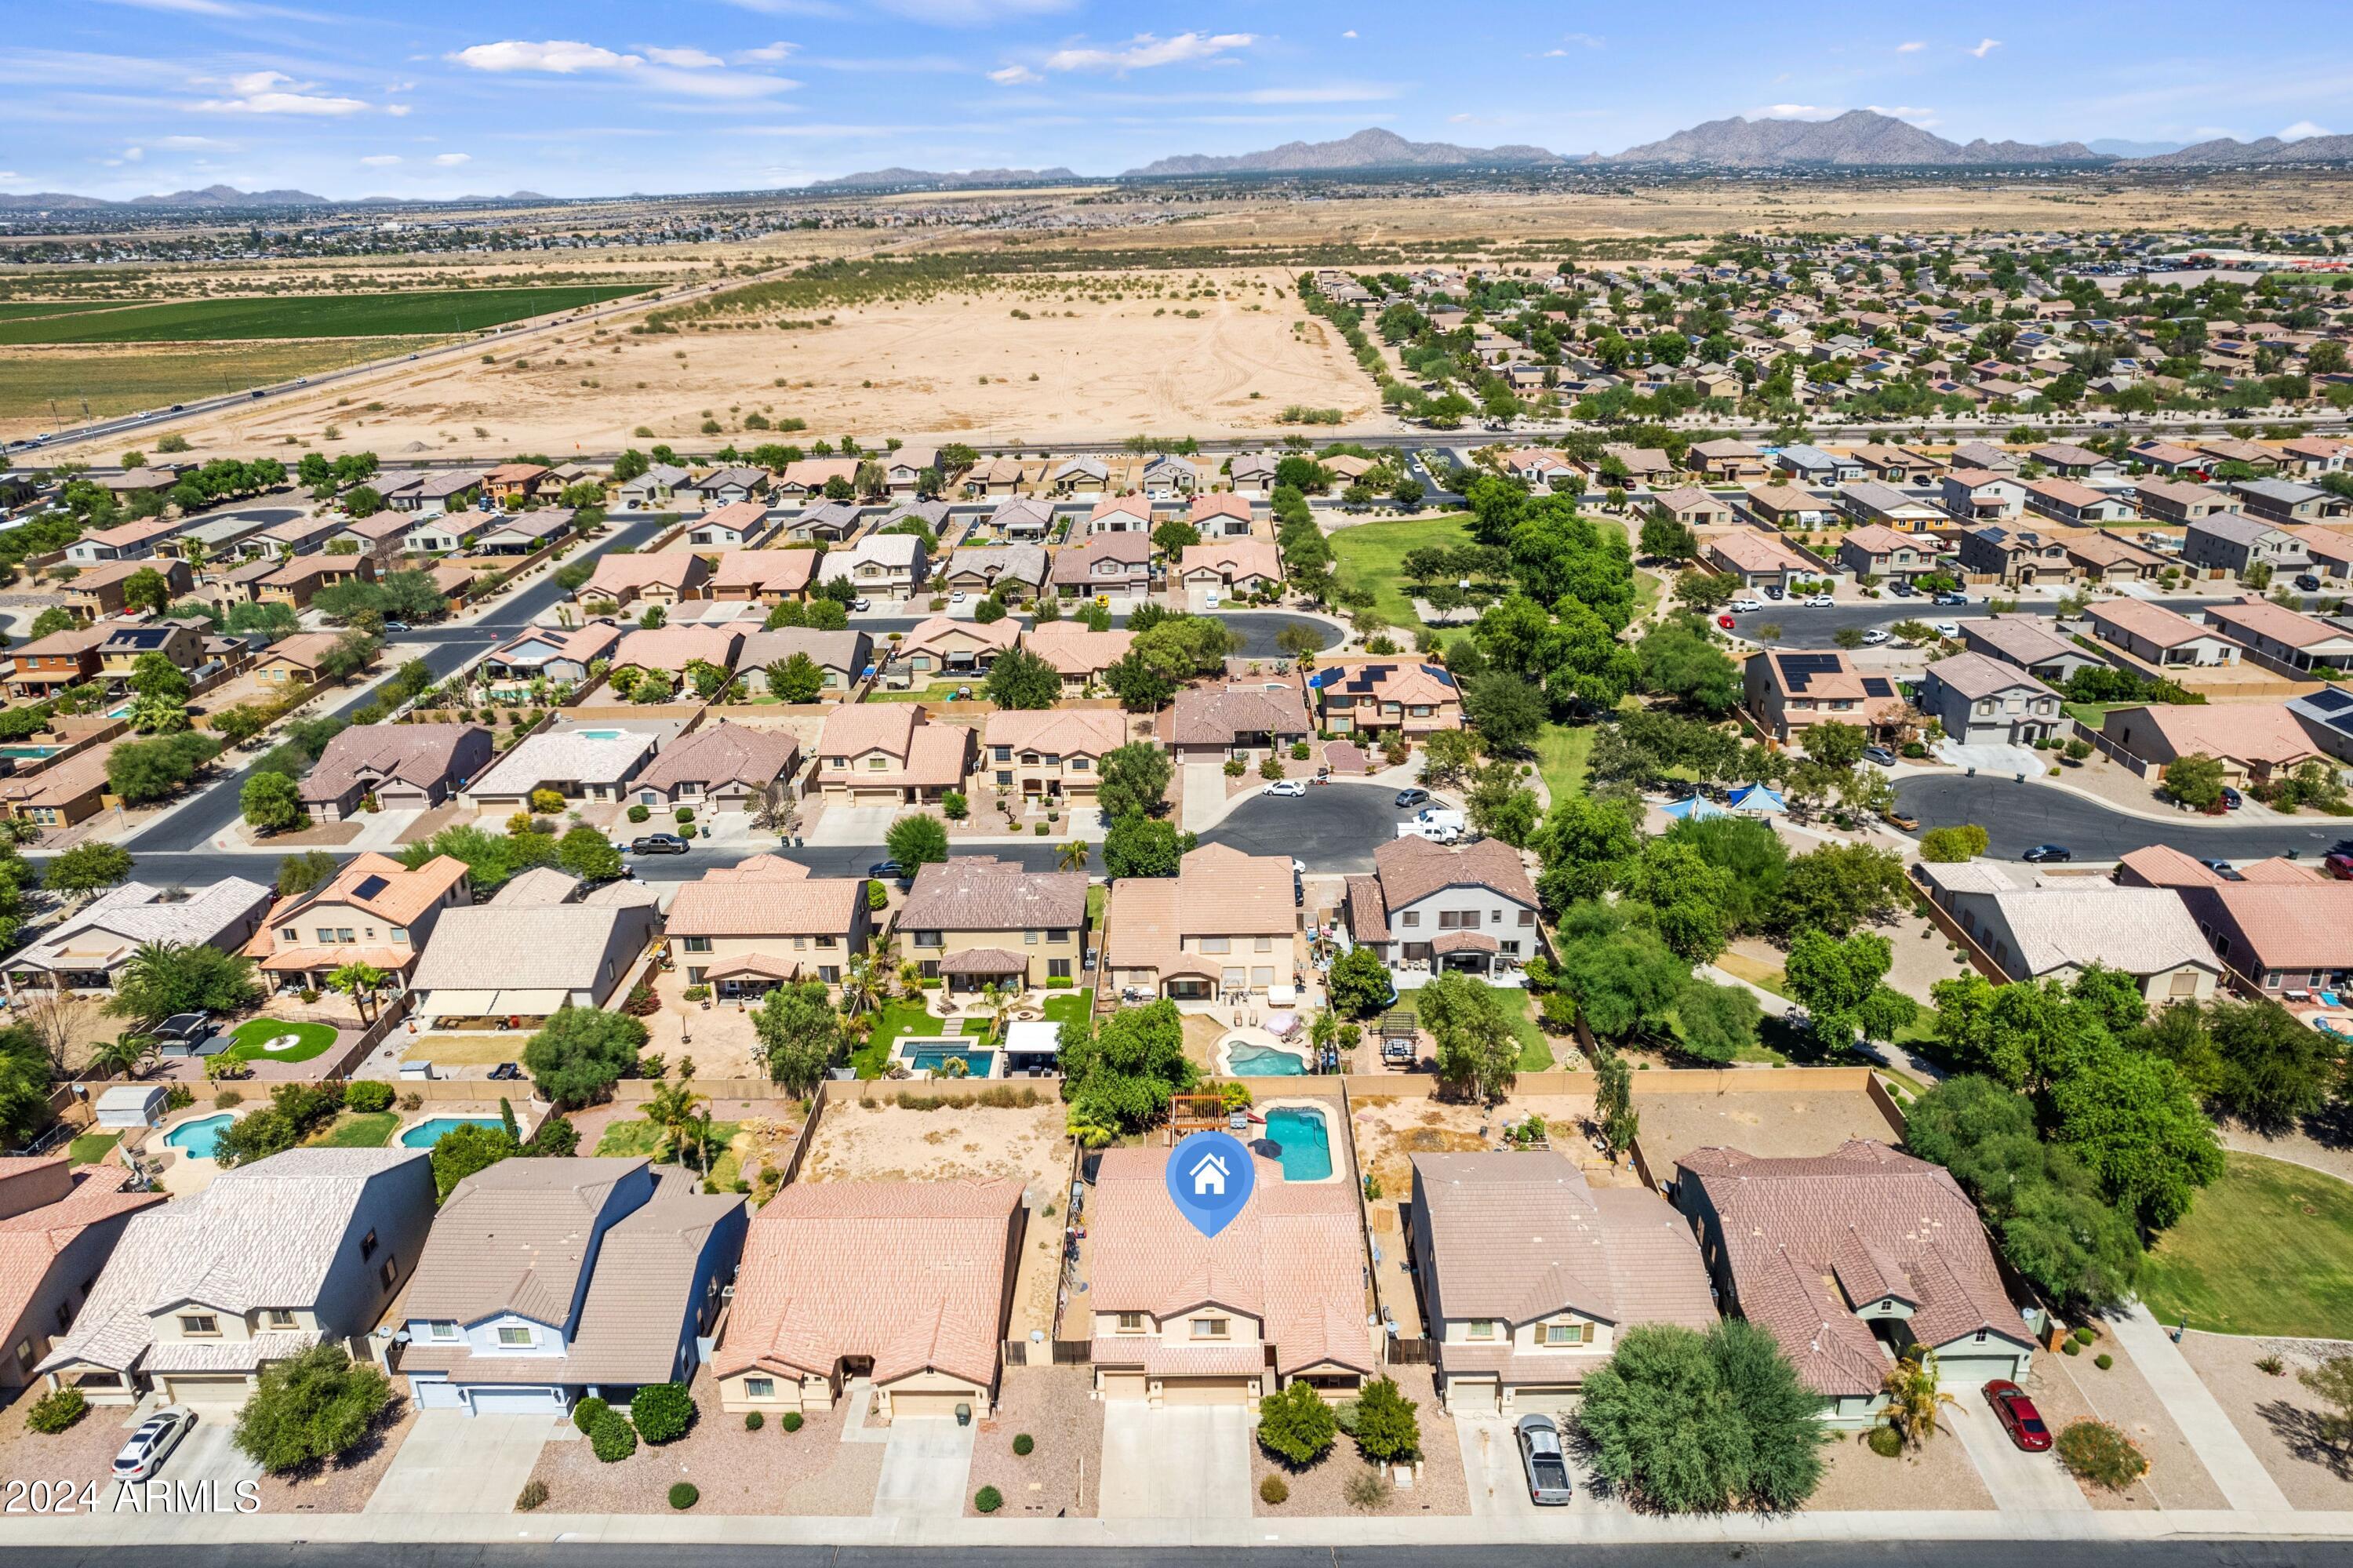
<point>1370,556</point>
<point>119,383</point>
<point>306,315</point>
<point>16,310</point>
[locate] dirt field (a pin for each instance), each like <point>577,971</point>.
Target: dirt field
<point>1766,1123</point>
<point>1936,1475</point>
<point>2278,1416</point>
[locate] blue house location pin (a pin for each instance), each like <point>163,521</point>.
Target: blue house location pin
<point>1209,1176</point>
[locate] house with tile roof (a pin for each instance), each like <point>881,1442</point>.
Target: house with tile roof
<point>60,794</point>
<point>304,1248</point>
<point>1877,550</point>
<point>907,1284</point>
<point>1755,558</point>
<point>1850,1258</point>
<point>874,754</point>
<point>1727,459</point>
<point>1691,506</point>
<point>545,941</point>
<point>1049,754</point>
<point>2233,543</point>
<point>1021,517</point>
<point>1221,515</point>
<point>1987,701</point>
<point>1429,908</point>
<point>664,578</point>
<point>993,476</point>
<point>842,657</point>
<point>1375,697</point>
<point>975,920</point>
<point>722,767</point>
<point>1211,723</point>
<point>2283,936</point>
<point>405,767</point>
<point>889,565</point>
<point>547,1281</point>
<point>550,653</point>
<point>808,476</point>
<point>736,525</point>
<point>1078,653</point>
<point>673,649</point>
<point>375,911</point>
<point>2016,557</point>
<point>578,764</point>
<point>2283,502</point>
<point>1116,514</point>
<point>1789,506</point>
<point>946,645</point>
<point>1281,1294</point>
<point>1976,495</point>
<point>89,950</point>
<point>747,929</point>
<point>2176,501</point>
<point>1231,565</point>
<point>2156,635</point>
<point>2283,638</point>
<point>1789,691</point>
<point>1530,1275</point>
<point>767,576</point>
<point>2255,742</point>
<point>1012,572</point>
<point>1225,925</point>
<point>58,1226</point>
<point>2029,643</point>
<point>1110,567</point>
<point>2037,929</point>
<point>66,658</point>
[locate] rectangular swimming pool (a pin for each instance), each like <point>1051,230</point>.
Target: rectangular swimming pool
<point>931,1056</point>
<point>1306,1139</point>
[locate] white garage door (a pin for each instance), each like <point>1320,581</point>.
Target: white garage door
<point>217,1388</point>
<point>436,1394</point>
<point>515,1401</point>
<point>1544,1401</point>
<point>932,1402</point>
<point>1205,1390</point>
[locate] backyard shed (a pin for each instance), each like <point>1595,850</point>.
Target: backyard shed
<point>131,1104</point>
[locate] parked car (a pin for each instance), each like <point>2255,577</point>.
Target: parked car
<point>1946,628</point>
<point>887,871</point>
<point>1544,1460</point>
<point>1822,601</point>
<point>1875,635</point>
<point>2219,867</point>
<point>395,626</point>
<point>1900,589</point>
<point>1744,604</point>
<point>1881,755</point>
<point>2308,583</point>
<point>2018,1415</point>
<point>658,843</point>
<point>153,1443</point>
<point>957,598</point>
<point>1725,622</point>
<point>1771,591</point>
<point>1412,797</point>
<point>507,1071</point>
<point>1286,788</point>
<point>2339,865</point>
<point>861,602</point>
<point>2048,854</point>
<point>2232,798</point>
<point>1897,817</point>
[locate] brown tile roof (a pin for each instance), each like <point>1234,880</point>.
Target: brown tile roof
<point>515,1237</point>
<point>2162,866</point>
<point>1522,1236</point>
<point>2262,618</point>
<point>2240,732</point>
<point>303,650</point>
<point>766,896</point>
<point>420,754</point>
<point>1290,1259</point>
<point>1076,565</point>
<point>927,754</point>
<point>2151,623</point>
<point>1073,650</point>
<point>940,632</point>
<point>1067,731</point>
<point>1368,917</point>
<point>981,893</point>
<point>1974,675</point>
<point>1214,715</point>
<point>1218,891</point>
<point>722,753</point>
<point>1412,869</point>
<point>1219,503</point>
<point>910,1273</point>
<point>1808,1240</point>
<point>1241,558</point>
<point>677,569</point>
<point>676,647</point>
<point>581,644</point>
<point>404,896</point>
<point>766,571</point>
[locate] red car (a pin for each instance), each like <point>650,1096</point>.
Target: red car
<point>1725,622</point>
<point>2339,866</point>
<point>2018,1415</point>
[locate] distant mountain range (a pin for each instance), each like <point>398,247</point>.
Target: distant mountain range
<point>953,179</point>
<point>1858,138</point>
<point>2117,147</point>
<point>2228,153</point>
<point>222,198</point>
<point>1369,149</point>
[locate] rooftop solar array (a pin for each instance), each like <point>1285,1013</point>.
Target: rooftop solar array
<point>1797,670</point>
<point>369,887</point>
<point>1878,687</point>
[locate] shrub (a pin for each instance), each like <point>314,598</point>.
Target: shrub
<point>179,1096</point>
<point>2072,1347</point>
<point>2101,1454</point>
<point>612,1439</point>
<point>368,1097</point>
<point>1295,1425</point>
<point>754,1421</point>
<point>2271,1366</point>
<point>988,1500</point>
<point>547,802</point>
<point>1273,1490</point>
<point>54,1413</point>
<point>683,1496</point>
<point>1059,982</point>
<point>587,1413</point>
<point>1385,1427</point>
<point>1884,1441</point>
<point>533,1493</point>
<point>1023,1444</point>
<point>639,813</point>
<point>790,1420</point>
<point>2084,1334</point>
<point>2104,1360</point>
<point>684,814</point>
<point>662,1413</point>
<point>1234,767</point>
<point>1368,1489</point>
<point>227,1098</point>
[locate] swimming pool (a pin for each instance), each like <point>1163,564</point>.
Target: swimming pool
<point>598,733</point>
<point>1306,1141</point>
<point>30,753</point>
<point>195,1138</point>
<point>932,1057</point>
<point>1264,1061</point>
<point>425,1134</point>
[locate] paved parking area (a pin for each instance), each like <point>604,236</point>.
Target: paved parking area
<point>210,1452</point>
<point>2017,1479</point>
<point>1499,1488</point>
<point>457,1463</point>
<point>1176,1462</point>
<point>924,1466</point>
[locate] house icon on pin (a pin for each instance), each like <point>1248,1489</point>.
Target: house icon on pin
<point>1208,1175</point>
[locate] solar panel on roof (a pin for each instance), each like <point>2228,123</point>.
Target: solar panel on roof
<point>370,886</point>
<point>1877,686</point>
<point>2330,700</point>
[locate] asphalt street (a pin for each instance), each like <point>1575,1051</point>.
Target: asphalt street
<point>2017,817</point>
<point>1258,628</point>
<point>1807,626</point>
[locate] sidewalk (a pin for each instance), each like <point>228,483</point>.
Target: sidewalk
<point>2244,1482</point>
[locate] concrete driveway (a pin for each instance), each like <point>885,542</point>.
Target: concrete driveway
<point>1188,1461</point>
<point>2020,1480</point>
<point>841,823</point>
<point>1499,1488</point>
<point>457,1463</point>
<point>210,1452</point>
<point>924,1468</point>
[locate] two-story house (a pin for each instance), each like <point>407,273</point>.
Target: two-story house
<point>68,658</point>
<point>1529,1276</point>
<point>2028,642</point>
<point>877,754</point>
<point>2074,505</point>
<point>1790,692</point>
<point>375,911</point>
<point>1224,927</point>
<point>1110,566</point>
<point>1047,755</point>
<point>1433,907</point>
<point>2236,544</point>
<point>546,1281</point>
<point>735,526</point>
<point>1279,1296</point>
<point>747,929</point>
<point>1381,696</point>
<point>722,767</point>
<point>1887,507</point>
<point>886,566</point>
<point>1118,514</point>
<point>58,1225</point>
<point>304,1248</point>
<point>405,767</point>
<point>2017,557</point>
<point>975,920</point>
<point>1877,550</point>
<point>1975,495</point>
<point>1986,701</point>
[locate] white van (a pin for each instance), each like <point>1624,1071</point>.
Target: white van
<point>1436,833</point>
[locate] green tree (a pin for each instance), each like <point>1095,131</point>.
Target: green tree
<point>1477,1050</point>
<point>586,854</point>
<point>2137,1128</point>
<point>1692,1423</point>
<point>1140,688</point>
<point>1134,780</point>
<point>311,1407</point>
<point>1359,983</point>
<point>1716,1022</point>
<point>1689,899</point>
<point>361,981</point>
<point>1386,1428</point>
<point>1295,1425</point>
<point>52,621</point>
<point>1680,661</point>
<point>917,839</point>
<point>298,874</point>
<point>1834,744</point>
<point>1753,858</point>
<point>1842,982</point>
<point>795,680</point>
<point>800,1034</point>
<point>1914,1398</point>
<point>1586,847</point>
<point>1502,807</point>
<point>1145,846</point>
<point>87,868</point>
<point>1839,886</point>
<point>147,589</point>
<point>2276,1070</point>
<point>469,1147</point>
<point>1613,1100</point>
<point>1507,712</point>
<point>581,1052</point>
<point>1625,980</point>
<point>2196,780</point>
<point>1121,1072</point>
<point>164,978</point>
<point>273,802</point>
<point>1952,847</point>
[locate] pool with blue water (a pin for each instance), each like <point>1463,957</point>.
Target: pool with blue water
<point>1304,1136</point>
<point>1264,1061</point>
<point>196,1139</point>
<point>425,1134</point>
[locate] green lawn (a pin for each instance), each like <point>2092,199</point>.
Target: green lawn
<point>90,1148</point>
<point>408,312</point>
<point>940,692</point>
<point>2092,714</point>
<point>353,1129</point>
<point>1561,756</point>
<point>2268,1249</point>
<point>1368,556</point>
<point>109,384</point>
<point>248,1039</point>
<point>899,1020</point>
<point>1536,1051</point>
<point>629,1139</point>
<point>1070,1006</point>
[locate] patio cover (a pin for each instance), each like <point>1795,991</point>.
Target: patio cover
<point>768,966</point>
<point>1758,798</point>
<point>1463,942</point>
<point>984,962</point>
<point>1698,808</point>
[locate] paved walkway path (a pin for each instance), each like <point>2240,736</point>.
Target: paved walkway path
<point>2247,1485</point>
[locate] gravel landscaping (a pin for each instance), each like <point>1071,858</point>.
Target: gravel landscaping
<point>770,1472</point>
<point>2070,1388</point>
<point>84,1452</point>
<point>1936,1475</point>
<point>2276,1415</point>
<point>1055,1406</point>
<point>1439,1488</point>
<point>345,1485</point>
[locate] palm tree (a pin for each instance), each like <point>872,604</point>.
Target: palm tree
<point>910,978</point>
<point>1082,1124</point>
<point>127,1053</point>
<point>997,1002</point>
<point>1913,1396</point>
<point>360,982</point>
<point>158,713</point>
<point>671,1109</point>
<point>1071,856</point>
<point>864,983</point>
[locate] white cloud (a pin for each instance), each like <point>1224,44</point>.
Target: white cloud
<point>1014,76</point>
<point>1458,120</point>
<point>765,53</point>
<point>398,111</point>
<point>562,58</point>
<point>683,59</point>
<point>1145,51</point>
<point>1581,40</point>
<point>381,160</point>
<point>132,155</point>
<point>10,174</point>
<point>2303,128</point>
<point>1794,111</point>
<point>451,160</point>
<point>1349,34</point>
<point>1912,47</point>
<point>789,7</point>
<point>1901,111</point>
<point>1986,47</point>
<point>275,93</point>
<point>188,143</point>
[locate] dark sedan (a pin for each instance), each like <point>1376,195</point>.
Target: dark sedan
<point>658,843</point>
<point>2048,854</point>
<point>887,871</point>
<point>1412,797</point>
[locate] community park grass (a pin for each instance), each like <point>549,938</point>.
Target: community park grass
<point>358,1129</point>
<point>1371,556</point>
<point>1562,753</point>
<point>408,312</point>
<point>121,383</point>
<point>2267,1249</point>
<point>248,1038</point>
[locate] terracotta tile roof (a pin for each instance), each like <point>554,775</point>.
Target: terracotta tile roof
<point>910,1273</point>
<point>1218,891</point>
<point>1067,731</point>
<point>2151,623</point>
<point>1974,675</point>
<point>1878,539</point>
<point>981,893</point>
<point>1411,870</point>
<point>1121,506</point>
<point>2240,732</point>
<point>419,754</point>
<point>675,647</point>
<point>582,644</point>
<point>737,516</point>
<point>1368,916</point>
<point>2279,925</point>
<point>1810,1240</point>
<point>515,1237</point>
<point>1214,715</point>
<point>1521,1236</point>
<point>2162,866</point>
<point>944,631</point>
<point>1290,1259</point>
<point>404,896</point>
<point>303,650</point>
<point>721,754</point>
<point>766,896</point>
<point>1076,564</point>
<point>1753,550</point>
<point>926,754</point>
<point>1219,503</point>
<point>1240,559</point>
<point>2262,618</point>
<point>766,571</point>
<point>49,1206</point>
<point>680,570</point>
<point>1073,650</point>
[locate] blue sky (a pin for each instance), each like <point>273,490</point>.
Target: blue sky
<point>429,98</point>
